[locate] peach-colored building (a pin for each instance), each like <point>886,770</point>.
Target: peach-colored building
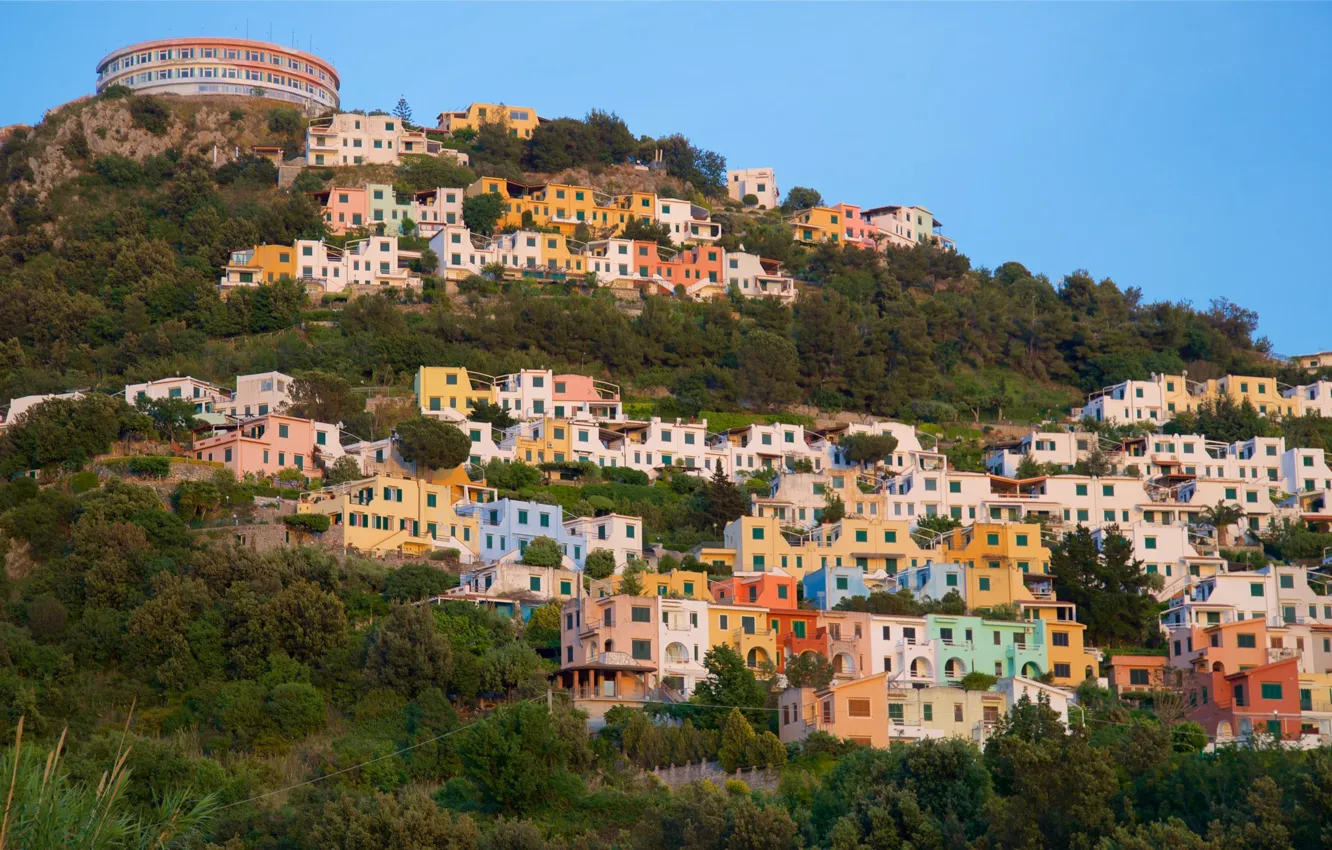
<point>271,443</point>
<point>343,208</point>
<point>1263,699</point>
<point>1137,673</point>
<point>857,230</point>
<point>610,651</point>
<point>1225,647</point>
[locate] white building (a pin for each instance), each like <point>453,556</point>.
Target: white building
<point>433,209</point>
<point>759,182</point>
<point>259,395</point>
<point>206,397</point>
<point>22,404</point>
<point>684,637</point>
<point>352,139</point>
<point>1128,402</point>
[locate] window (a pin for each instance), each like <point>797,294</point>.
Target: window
<point>950,580</point>
<point>534,583</point>
<point>862,536</point>
<point>1139,677</point>
<point>890,537</point>
<point>639,614</point>
<point>757,533</point>
<point>895,712</point>
<point>1256,589</point>
<point>858,708</point>
<point>1287,581</point>
<point>1246,641</point>
<point>1059,638</point>
<point>929,712</point>
<point>1271,690</point>
<point>1022,540</point>
<point>642,650</point>
<point>984,584</point>
<point>841,583</point>
<point>991,540</point>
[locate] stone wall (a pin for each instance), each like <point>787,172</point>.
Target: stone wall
<point>677,777</point>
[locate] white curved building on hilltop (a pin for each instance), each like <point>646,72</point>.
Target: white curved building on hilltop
<point>205,65</point>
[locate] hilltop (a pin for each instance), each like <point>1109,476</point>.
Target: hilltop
<point>117,219</point>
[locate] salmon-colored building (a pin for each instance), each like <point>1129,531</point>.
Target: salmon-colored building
<point>1264,699</point>
<point>1136,673</point>
<point>1223,648</point>
<point>343,208</point>
<point>610,647</point>
<point>794,629</point>
<point>269,444</point>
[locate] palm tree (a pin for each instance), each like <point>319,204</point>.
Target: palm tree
<point>1221,516</point>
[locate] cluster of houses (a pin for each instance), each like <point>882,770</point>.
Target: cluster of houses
<point>1159,399</point>
<point>547,231</point>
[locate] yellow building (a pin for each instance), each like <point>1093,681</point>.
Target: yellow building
<point>558,255</point>
<point>565,206</point>
<point>676,584</point>
<point>816,224</point>
<point>389,514</point>
<point>1181,395</point>
<point>521,120</point>
<point>453,388</point>
<point>744,628</point>
<point>548,440</point>
<point>994,545</point>
<point>869,543</point>
<point>1070,662</point>
<point>260,264</point>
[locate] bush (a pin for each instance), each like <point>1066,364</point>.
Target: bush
<point>82,482</point>
<point>316,523</point>
<point>149,114</point>
<point>118,170</point>
<point>414,582</point>
<point>750,200</point>
<point>978,681</point>
<point>237,115</point>
<point>150,467</point>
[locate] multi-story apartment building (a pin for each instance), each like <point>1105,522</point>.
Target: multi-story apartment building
<point>258,395</point>
<point>1062,449</point>
<point>369,261</point>
<point>998,647</point>
<point>758,544</point>
<point>21,405</point>
<point>521,120</point>
<point>1159,399</point>
<point>385,513</point>
<point>1313,362</point>
<point>759,182</point>
<point>879,710</point>
<point>434,209</point>
<point>514,580</point>
<point>857,230</point>
<point>355,139</point>
<point>610,648</point>
<point>1262,699</point>
<point>207,397</point>
<point>213,66</point>
<point>1314,397</point>
<point>507,526</point>
<point>688,222</point>
<point>452,392</point>
<point>271,443</point>
<point>825,587</point>
<point>817,224</point>
<point>343,208</point>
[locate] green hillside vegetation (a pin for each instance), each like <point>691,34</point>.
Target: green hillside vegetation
<point>109,275</point>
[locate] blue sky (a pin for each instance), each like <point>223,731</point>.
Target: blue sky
<point>1178,148</point>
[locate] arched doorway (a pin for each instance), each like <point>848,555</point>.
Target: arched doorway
<point>954,668</point>
<point>1218,667</point>
<point>677,653</point>
<point>920,669</point>
<point>1091,674</point>
<point>610,646</point>
<point>843,665</point>
<point>756,657</point>
<point>1031,671</point>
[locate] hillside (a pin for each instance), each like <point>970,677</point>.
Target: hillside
<point>117,221</point>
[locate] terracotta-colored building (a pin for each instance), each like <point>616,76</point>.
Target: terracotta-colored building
<point>1263,699</point>
<point>794,629</point>
<point>1137,673</point>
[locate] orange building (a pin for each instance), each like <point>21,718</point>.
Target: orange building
<point>1264,699</point>
<point>795,630</point>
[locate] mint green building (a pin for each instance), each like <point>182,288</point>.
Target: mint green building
<point>997,647</point>
<point>385,208</point>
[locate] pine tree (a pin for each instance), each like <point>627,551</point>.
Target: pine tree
<point>736,748</point>
<point>403,110</point>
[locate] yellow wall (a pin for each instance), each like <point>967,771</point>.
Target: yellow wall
<point>817,224</point>
<point>872,544</point>
<point>477,114</point>
<point>1010,544</point>
<point>1074,655</point>
<point>433,382</point>
<point>763,638</point>
<point>401,523</point>
<point>555,249</point>
<point>555,443</point>
<point>685,584</point>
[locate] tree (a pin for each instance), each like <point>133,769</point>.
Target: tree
<point>647,231</point>
<point>324,397</point>
<point>868,448</point>
<point>542,552</point>
<point>345,468</point>
<point>809,670</point>
<point>482,212</point>
<point>834,509</point>
<point>729,683</point>
<point>432,444</point>
<point>171,417</point>
<point>719,502</point>
<point>769,369</point>
<point>600,564</point>
<point>517,754</point>
<point>414,582</point>
<point>801,198</point>
<point>408,654</point>
<point>499,417</point>
<point>750,200</point>
<point>1221,517</point>
<point>736,742</point>
<point>403,111</point>
<point>1109,587</point>
<point>543,627</point>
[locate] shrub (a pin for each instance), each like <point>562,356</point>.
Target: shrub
<point>82,482</point>
<point>118,170</point>
<point>978,681</point>
<point>150,467</point>
<point>413,582</point>
<point>237,115</point>
<point>116,92</point>
<point>750,200</point>
<point>315,523</point>
<point>149,114</point>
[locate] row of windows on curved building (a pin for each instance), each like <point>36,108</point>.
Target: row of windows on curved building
<point>189,66</point>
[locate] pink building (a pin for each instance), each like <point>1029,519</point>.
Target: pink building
<point>271,443</point>
<point>856,229</point>
<point>343,208</point>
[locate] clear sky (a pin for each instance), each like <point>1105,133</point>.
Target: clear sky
<point>1180,148</point>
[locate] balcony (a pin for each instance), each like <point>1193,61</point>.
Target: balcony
<point>590,628</point>
<point>796,645</point>
<point>1281,653</point>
